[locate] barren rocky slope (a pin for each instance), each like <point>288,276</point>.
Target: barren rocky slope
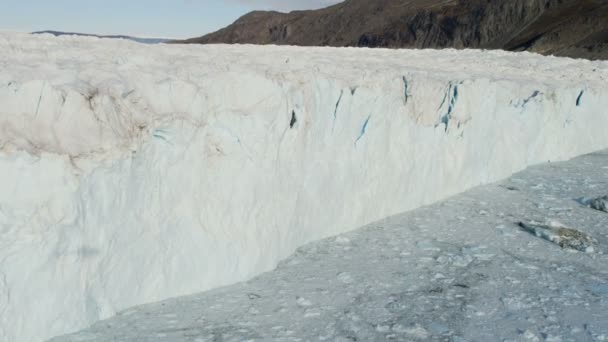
<point>574,28</point>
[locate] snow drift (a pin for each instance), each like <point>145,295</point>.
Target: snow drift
<point>134,173</point>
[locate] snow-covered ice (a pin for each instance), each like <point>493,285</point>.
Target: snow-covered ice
<point>426,275</point>
<point>132,173</point>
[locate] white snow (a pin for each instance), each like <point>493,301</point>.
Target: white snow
<point>134,173</point>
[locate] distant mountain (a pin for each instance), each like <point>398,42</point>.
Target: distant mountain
<point>135,39</point>
<point>575,28</point>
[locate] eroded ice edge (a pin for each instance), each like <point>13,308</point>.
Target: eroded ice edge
<point>458,270</point>
<point>135,173</point>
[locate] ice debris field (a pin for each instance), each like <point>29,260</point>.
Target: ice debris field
<point>132,174</point>
<point>458,270</point>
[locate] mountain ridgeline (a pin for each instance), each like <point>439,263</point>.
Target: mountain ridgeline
<point>135,39</point>
<point>573,28</point>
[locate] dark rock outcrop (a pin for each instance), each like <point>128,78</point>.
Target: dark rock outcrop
<point>575,28</point>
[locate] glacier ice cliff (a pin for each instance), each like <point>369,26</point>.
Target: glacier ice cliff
<point>131,173</point>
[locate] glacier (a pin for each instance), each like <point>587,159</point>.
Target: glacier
<point>132,174</point>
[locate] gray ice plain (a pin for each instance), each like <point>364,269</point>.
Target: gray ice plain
<point>459,270</point>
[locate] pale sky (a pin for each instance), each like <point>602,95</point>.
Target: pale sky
<point>151,18</point>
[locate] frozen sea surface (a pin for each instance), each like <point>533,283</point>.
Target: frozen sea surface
<point>458,270</point>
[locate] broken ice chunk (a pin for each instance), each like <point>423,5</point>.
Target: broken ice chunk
<point>600,203</point>
<point>564,237</point>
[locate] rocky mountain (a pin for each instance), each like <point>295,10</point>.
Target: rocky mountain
<point>574,28</point>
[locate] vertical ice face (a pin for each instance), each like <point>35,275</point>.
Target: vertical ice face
<point>131,174</point>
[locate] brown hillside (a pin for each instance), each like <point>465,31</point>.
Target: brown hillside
<point>575,28</point>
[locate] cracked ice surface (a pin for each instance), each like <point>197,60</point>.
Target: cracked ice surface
<point>459,270</point>
<point>131,174</point>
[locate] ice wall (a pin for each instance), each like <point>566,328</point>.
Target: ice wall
<point>130,173</point>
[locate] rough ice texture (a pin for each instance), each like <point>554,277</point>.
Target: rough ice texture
<point>457,270</point>
<point>135,173</point>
